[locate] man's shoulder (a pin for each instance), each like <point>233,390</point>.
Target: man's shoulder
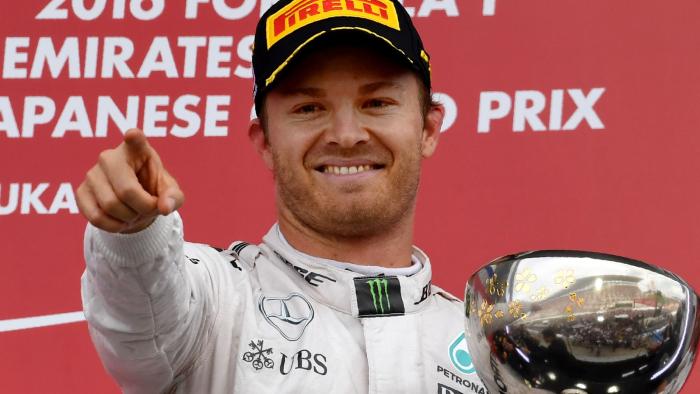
<point>447,306</point>
<point>445,297</point>
<point>239,256</point>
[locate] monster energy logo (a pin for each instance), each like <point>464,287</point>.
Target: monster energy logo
<point>380,292</point>
<point>378,296</point>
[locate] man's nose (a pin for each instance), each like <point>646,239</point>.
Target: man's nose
<point>346,129</point>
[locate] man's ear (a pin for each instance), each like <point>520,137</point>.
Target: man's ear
<point>431,130</point>
<point>259,140</point>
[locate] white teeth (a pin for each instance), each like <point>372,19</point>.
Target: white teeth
<point>346,170</point>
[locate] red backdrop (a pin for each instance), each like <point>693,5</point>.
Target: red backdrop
<point>572,126</point>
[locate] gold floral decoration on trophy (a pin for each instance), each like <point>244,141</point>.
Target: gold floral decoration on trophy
<point>565,278</point>
<point>524,280</point>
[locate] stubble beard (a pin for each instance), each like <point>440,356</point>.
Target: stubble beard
<point>349,216</point>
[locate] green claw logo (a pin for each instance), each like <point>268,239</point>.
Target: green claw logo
<point>379,290</point>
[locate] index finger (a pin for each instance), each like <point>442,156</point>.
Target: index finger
<point>136,142</point>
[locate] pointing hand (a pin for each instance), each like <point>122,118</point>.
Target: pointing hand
<point>128,187</point>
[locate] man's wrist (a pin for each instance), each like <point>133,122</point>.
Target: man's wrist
<point>139,225</point>
<point>142,246</point>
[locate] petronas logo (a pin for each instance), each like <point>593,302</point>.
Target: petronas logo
<point>379,288</point>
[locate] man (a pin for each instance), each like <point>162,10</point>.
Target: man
<point>335,299</point>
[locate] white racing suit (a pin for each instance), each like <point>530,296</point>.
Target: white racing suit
<point>176,317</point>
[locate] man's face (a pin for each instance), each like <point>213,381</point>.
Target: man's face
<point>345,139</point>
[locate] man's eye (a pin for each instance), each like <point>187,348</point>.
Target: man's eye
<point>308,109</point>
<point>376,103</point>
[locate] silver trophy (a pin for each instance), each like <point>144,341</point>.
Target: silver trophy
<point>580,322</point>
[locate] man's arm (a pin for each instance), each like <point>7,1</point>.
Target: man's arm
<point>145,306</point>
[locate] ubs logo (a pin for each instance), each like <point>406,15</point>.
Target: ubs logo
<point>261,357</point>
<point>258,356</point>
<point>304,360</point>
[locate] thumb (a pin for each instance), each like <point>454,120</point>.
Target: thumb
<point>170,196</point>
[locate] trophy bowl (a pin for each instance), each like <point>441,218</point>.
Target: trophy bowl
<point>580,322</point>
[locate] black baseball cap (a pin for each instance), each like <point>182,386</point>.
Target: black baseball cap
<point>291,27</point>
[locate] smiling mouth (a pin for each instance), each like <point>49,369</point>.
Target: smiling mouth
<point>348,170</point>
